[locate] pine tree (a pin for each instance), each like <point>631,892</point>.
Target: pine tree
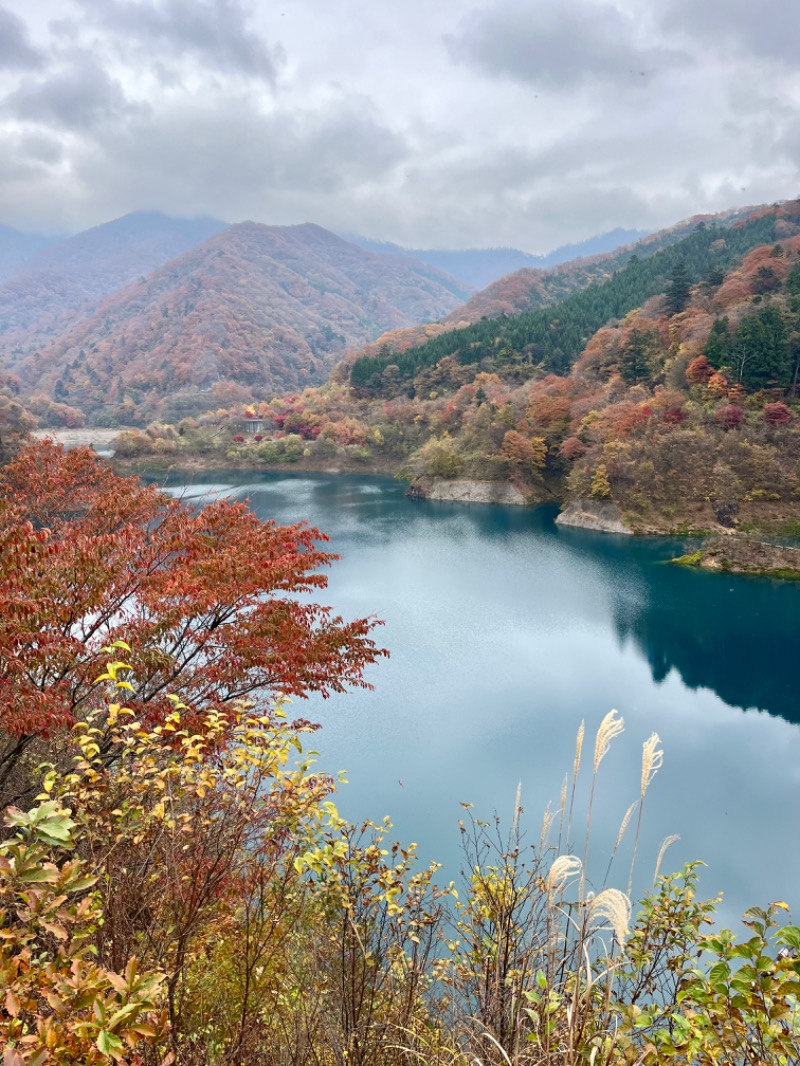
<point>634,365</point>
<point>679,289</point>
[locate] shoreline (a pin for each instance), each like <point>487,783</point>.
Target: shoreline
<point>597,515</point>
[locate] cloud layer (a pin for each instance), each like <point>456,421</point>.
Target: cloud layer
<point>519,122</point>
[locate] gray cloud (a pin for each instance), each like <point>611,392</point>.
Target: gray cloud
<point>16,52</point>
<point>234,161</point>
<point>559,46</point>
<point>73,99</point>
<point>214,32</point>
<point>768,30</point>
<point>373,127</point>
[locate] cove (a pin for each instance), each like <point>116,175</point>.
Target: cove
<point>505,631</point>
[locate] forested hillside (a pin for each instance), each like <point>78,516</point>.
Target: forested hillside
<point>531,289</point>
<point>43,294</point>
<point>680,407</point>
<point>254,312</point>
<point>553,338</point>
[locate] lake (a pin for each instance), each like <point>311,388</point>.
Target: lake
<point>506,631</point>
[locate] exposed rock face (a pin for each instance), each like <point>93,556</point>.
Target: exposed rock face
<point>461,490</point>
<point>601,515</point>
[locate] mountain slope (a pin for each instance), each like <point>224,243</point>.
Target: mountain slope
<point>267,309</point>
<point>70,277</point>
<point>18,249</point>
<point>681,411</point>
<point>552,337</point>
<point>531,289</point>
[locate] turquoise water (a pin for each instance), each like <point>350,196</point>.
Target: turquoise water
<point>505,632</point>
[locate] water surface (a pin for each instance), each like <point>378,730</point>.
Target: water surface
<point>506,631</point>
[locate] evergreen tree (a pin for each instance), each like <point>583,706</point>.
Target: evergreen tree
<point>718,345</point>
<point>761,356</point>
<point>634,364</point>
<point>679,288</point>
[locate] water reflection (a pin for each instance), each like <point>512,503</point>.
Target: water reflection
<point>506,631</point>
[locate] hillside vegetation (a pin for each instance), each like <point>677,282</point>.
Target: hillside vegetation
<point>670,390</point>
<point>256,311</point>
<point>43,293</point>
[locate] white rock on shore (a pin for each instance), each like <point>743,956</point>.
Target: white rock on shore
<point>601,515</point>
<point>462,490</point>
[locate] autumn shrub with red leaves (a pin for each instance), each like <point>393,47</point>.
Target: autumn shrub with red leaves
<point>731,416</point>
<point>777,414</point>
<point>208,598</point>
<point>673,416</point>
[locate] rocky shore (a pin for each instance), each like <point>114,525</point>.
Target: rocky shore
<point>462,490</point>
<point>740,555</point>
<point>600,515</point>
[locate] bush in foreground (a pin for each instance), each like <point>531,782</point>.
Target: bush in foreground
<point>187,889</point>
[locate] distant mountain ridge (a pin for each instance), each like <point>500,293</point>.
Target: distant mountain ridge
<point>479,267</point>
<point>17,249</point>
<point>255,309</point>
<point>69,277</point>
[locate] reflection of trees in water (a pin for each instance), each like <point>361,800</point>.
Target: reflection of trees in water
<point>735,635</point>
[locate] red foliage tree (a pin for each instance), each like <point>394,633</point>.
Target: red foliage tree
<point>207,598</point>
<point>699,371</point>
<point>777,414</point>
<point>572,448</point>
<point>731,416</point>
<point>673,416</point>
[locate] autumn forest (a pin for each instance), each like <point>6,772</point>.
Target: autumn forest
<point>177,883</point>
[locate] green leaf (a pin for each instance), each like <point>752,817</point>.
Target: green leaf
<point>130,1010</point>
<point>39,875</point>
<point>109,1044</point>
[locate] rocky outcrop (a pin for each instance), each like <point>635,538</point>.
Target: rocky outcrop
<point>601,515</point>
<point>462,490</point>
<point>742,556</point>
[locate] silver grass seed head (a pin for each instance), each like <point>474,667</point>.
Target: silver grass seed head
<point>578,749</point>
<point>614,907</point>
<point>668,842</point>
<point>624,824</point>
<point>564,867</point>
<point>611,726</point>
<point>652,760</point>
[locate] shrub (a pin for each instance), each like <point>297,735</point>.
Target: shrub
<point>777,414</point>
<point>731,416</point>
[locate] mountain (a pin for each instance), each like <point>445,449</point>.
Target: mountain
<point>550,332</point>
<point>664,398</point>
<point>18,249</point>
<point>479,267</point>
<point>531,289</point>
<point>255,310</point>
<point>70,277</point>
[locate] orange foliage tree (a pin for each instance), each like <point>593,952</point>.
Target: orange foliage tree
<point>212,600</point>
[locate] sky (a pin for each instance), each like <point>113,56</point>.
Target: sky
<point>433,123</point>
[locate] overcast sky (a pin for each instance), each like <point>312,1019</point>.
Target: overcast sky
<point>435,123</point>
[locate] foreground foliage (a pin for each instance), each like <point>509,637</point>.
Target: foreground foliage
<point>187,892</point>
<point>214,602</point>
